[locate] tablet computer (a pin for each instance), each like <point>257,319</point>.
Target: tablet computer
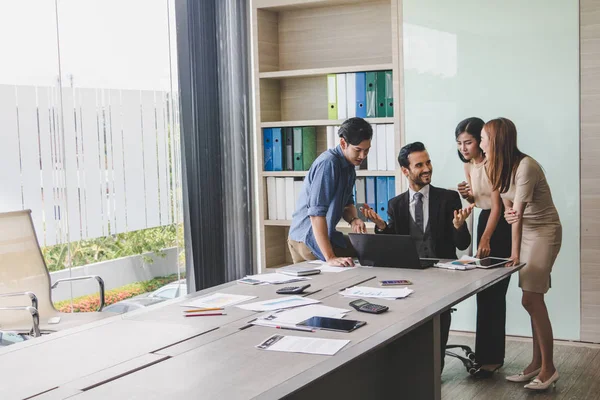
<point>489,262</point>
<point>333,324</point>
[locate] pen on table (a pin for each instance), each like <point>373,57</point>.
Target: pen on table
<point>296,329</point>
<point>249,324</point>
<point>309,293</point>
<point>204,309</point>
<point>203,315</point>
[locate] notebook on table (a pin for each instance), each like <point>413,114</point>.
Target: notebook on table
<point>299,270</point>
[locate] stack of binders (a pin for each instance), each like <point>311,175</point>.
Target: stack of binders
<point>360,94</point>
<point>282,195</point>
<point>289,149</point>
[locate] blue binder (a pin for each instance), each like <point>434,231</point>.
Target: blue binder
<point>391,187</point>
<point>268,149</point>
<point>361,95</point>
<point>370,192</point>
<point>277,150</point>
<point>382,196</point>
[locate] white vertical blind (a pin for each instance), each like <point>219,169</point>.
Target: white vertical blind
<point>116,173</point>
<point>134,162</point>
<point>30,155</point>
<point>150,160</point>
<point>10,171</point>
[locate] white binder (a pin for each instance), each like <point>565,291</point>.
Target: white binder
<point>341,96</point>
<point>372,157</point>
<point>381,148</point>
<point>391,154</point>
<point>290,200</point>
<point>298,185</point>
<point>271,198</point>
<point>280,199</point>
<point>351,95</point>
<point>330,137</point>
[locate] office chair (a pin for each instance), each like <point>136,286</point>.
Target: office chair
<point>469,359</point>
<point>24,278</point>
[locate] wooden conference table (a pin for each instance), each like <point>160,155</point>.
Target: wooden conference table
<point>156,353</point>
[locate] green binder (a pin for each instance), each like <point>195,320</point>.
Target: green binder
<point>298,158</point>
<point>371,94</point>
<point>309,146</point>
<point>332,97</point>
<point>389,94</point>
<point>381,100</point>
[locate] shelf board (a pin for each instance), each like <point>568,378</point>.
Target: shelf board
<point>277,222</point>
<point>286,222</point>
<point>321,122</point>
<point>284,173</point>
<point>302,73</point>
<point>293,174</point>
<point>364,172</point>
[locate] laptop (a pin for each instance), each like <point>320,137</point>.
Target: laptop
<point>395,251</point>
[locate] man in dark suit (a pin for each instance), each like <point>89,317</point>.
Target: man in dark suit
<point>433,217</point>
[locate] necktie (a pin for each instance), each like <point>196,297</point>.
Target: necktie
<point>419,210</point>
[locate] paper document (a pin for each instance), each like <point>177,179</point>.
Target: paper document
<point>376,293</point>
<point>217,300</point>
<point>278,303</point>
<point>273,278</point>
<point>298,344</point>
<point>291,317</point>
<point>461,264</point>
<point>324,267</point>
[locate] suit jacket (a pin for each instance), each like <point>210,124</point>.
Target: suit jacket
<point>442,204</point>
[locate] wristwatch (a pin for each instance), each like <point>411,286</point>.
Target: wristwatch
<point>379,230</point>
<point>352,220</point>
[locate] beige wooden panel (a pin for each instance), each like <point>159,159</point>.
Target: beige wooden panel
<point>270,100</point>
<point>590,169</point>
<point>280,5</point>
<point>268,41</point>
<point>304,98</point>
<point>276,245</point>
<point>321,139</point>
<point>335,36</point>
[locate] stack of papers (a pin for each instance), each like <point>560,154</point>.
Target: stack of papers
<point>376,293</point>
<point>273,279</point>
<point>324,267</point>
<point>279,303</point>
<point>217,300</point>
<point>461,264</point>
<point>297,344</point>
<point>289,318</point>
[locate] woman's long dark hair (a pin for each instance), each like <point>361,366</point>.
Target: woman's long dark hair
<point>473,127</point>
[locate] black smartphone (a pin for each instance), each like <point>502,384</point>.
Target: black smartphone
<point>333,324</point>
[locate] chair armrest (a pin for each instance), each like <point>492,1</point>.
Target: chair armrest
<point>32,296</point>
<point>34,315</point>
<point>81,278</point>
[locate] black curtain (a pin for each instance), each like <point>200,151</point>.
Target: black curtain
<point>213,63</point>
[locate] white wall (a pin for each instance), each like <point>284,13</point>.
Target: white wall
<point>507,58</point>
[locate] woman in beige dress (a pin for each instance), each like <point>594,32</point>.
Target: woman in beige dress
<point>536,238</point>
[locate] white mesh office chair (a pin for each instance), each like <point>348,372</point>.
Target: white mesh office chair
<point>25,291</point>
